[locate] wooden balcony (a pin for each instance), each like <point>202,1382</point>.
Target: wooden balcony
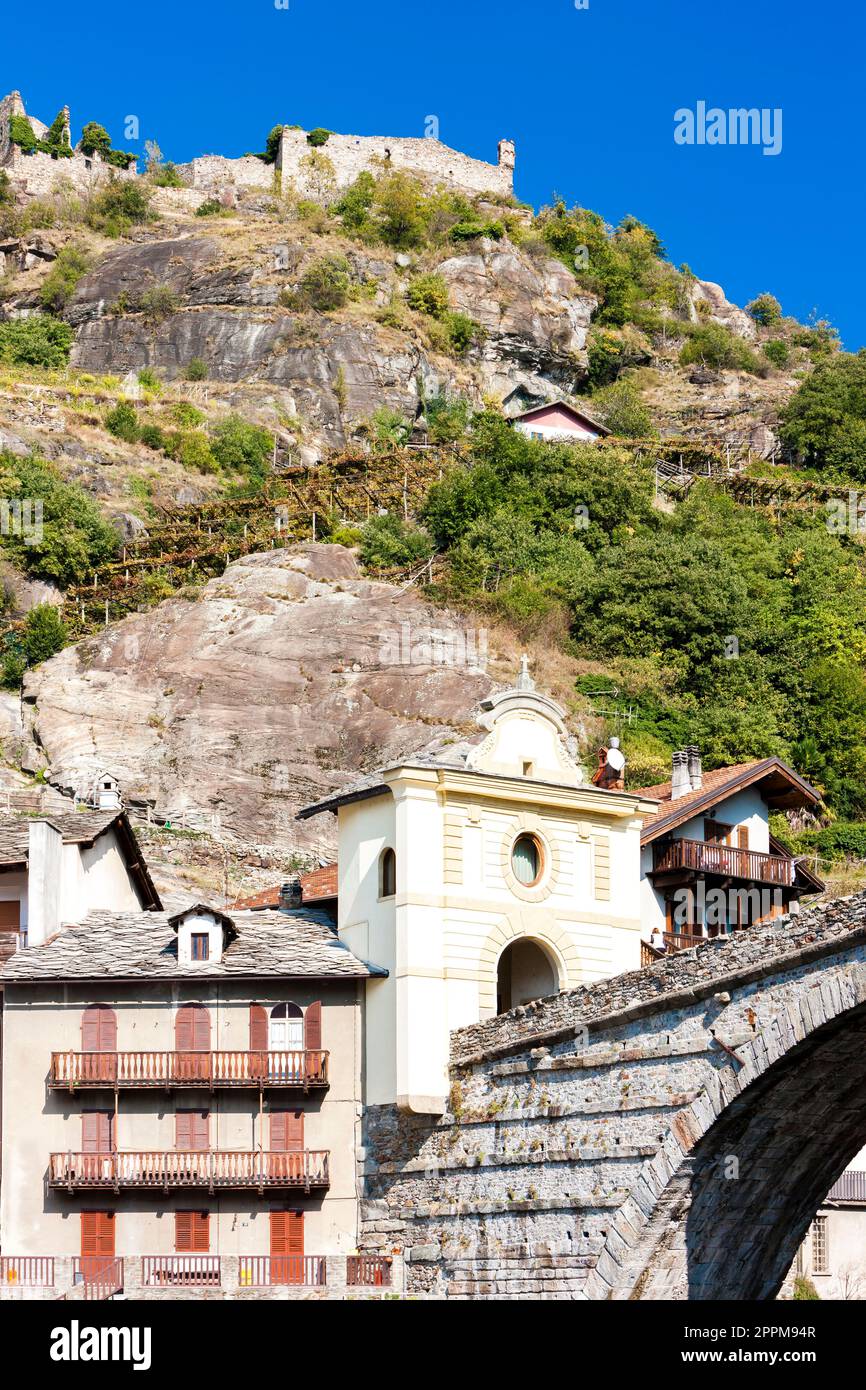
<point>371,1271</point>
<point>27,1271</point>
<point>98,1276</point>
<point>267,1271</point>
<point>208,1169</point>
<point>702,857</point>
<point>301,1070</point>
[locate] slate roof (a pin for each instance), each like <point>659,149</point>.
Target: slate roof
<point>143,945</point>
<point>79,828</point>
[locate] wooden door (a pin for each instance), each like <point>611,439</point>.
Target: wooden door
<point>97,1246</point>
<point>287,1247</point>
<point>99,1042</point>
<point>742,837</point>
<point>192,1130</point>
<point>97,1145</point>
<point>192,1043</point>
<point>286,1158</point>
<point>10,925</point>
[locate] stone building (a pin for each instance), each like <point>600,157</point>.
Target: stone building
<point>181,1094</point>
<point>481,875</point>
<point>38,174</point>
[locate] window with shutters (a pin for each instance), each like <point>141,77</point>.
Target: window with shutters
<point>199,945</point>
<point>287,1247</point>
<point>286,1028</point>
<point>192,1130</point>
<point>192,1232</point>
<point>97,1131</point>
<point>286,1131</point>
<point>98,1029</point>
<point>192,1028</point>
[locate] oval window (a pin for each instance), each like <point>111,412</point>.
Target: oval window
<point>526,860</point>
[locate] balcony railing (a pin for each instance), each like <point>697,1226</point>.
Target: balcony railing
<point>265,1271</point>
<point>706,858</point>
<point>27,1271</point>
<point>72,1071</point>
<point>203,1168</point>
<point>98,1276</point>
<point>368,1270</point>
<point>180,1271</point>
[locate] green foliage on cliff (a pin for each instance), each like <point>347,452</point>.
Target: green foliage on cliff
<point>38,341</point>
<point>713,345</point>
<point>59,285</point>
<point>43,634</point>
<point>72,540</point>
<point>824,423</point>
<point>722,627</point>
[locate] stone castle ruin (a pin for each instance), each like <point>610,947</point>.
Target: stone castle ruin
<point>312,171</point>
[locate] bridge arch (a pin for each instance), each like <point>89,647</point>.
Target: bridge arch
<point>721,1209</point>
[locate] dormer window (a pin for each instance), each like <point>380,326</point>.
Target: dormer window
<point>202,934</point>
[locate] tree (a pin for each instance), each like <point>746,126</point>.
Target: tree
<point>325,283</point>
<point>38,341</point>
<point>95,139</point>
<point>72,540</point>
<point>242,447</point>
<point>429,295</point>
<point>620,407</point>
<point>60,283</point>
<point>765,310</point>
<point>824,423</point>
<point>272,145</point>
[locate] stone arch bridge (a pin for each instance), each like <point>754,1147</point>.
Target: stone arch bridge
<point>665,1134</point>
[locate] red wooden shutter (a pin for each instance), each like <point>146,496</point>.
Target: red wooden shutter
<point>192,1232</point>
<point>258,1028</point>
<point>192,1029</point>
<point>287,1131</point>
<point>98,1029</point>
<point>192,1130</point>
<point>96,1131</point>
<point>97,1233</point>
<point>742,837</point>
<point>313,1026</point>
<point>287,1233</point>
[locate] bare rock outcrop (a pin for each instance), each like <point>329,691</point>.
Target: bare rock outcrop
<point>285,678</point>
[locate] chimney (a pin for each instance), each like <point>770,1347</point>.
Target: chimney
<point>680,781</point>
<point>696,777</point>
<point>290,894</point>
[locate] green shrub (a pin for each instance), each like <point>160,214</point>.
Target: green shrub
<point>448,418</point>
<point>74,540</point>
<point>471,228</point>
<point>59,284</point>
<point>56,141</point>
<point>21,134</point>
<point>37,341</point>
<point>804,1289</point>
<point>240,447</point>
<point>211,207</point>
<point>713,345</point>
<point>325,284</point>
<point>620,407</point>
<point>318,137</point>
<point>387,429</point>
<point>184,413</point>
<point>272,145</point>
<point>153,437</point>
<point>149,380</point>
<point>121,204</point>
<point>44,633</point>
<point>196,369</point>
<point>6,194</point>
<point>95,139</point>
<point>777,352</point>
<point>765,310</point>
<point>192,450</point>
<point>401,210</point>
<point>388,542</point>
<point>462,331</point>
<point>121,159</point>
<point>166,176</point>
<point>353,208</point>
<point>122,421</point>
<point>429,295</point>
<point>158,303</point>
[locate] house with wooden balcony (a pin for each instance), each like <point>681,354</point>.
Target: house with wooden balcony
<point>180,1092</point>
<point>709,864</point>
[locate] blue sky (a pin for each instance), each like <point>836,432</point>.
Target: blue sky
<point>588,95</point>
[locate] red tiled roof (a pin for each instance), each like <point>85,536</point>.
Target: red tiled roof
<point>319,883</point>
<point>721,782</point>
<point>268,897</point>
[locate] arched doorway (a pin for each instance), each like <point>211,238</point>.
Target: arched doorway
<point>525,971</point>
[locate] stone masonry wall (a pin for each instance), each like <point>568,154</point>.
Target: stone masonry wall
<point>568,1119</point>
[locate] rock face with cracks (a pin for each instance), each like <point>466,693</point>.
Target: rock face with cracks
<point>278,683</point>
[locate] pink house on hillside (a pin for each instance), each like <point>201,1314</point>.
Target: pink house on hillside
<point>560,422</point>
